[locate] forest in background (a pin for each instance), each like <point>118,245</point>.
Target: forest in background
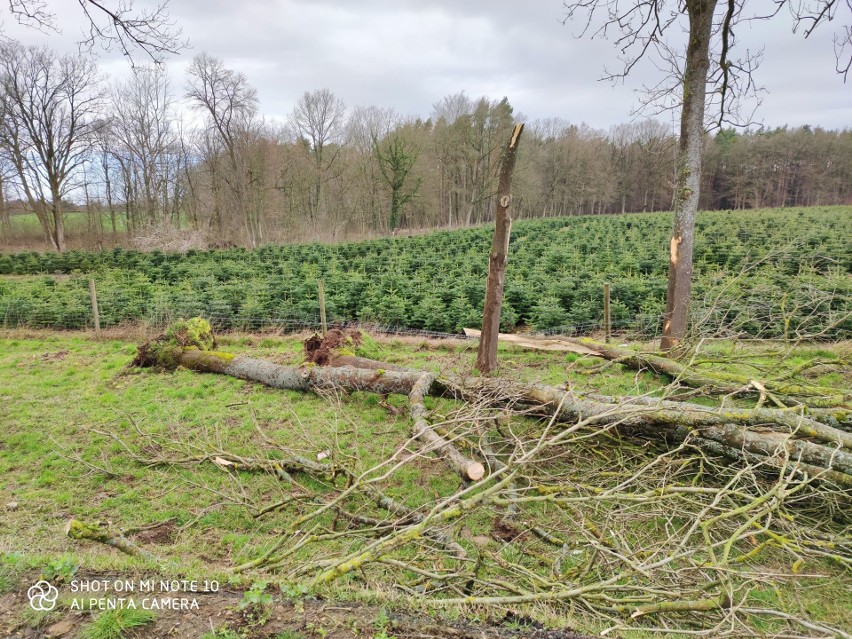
<point>149,164</point>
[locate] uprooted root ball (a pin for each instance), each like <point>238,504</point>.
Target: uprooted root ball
<point>165,350</point>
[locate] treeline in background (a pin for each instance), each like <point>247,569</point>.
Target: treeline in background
<point>89,162</point>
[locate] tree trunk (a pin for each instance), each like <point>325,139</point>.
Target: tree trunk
<point>486,359</point>
<point>719,382</point>
<point>688,178</point>
<point>5,220</point>
<point>58,226</point>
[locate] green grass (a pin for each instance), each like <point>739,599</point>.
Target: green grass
<point>76,222</point>
<point>115,624</point>
<point>60,395</point>
<point>221,633</point>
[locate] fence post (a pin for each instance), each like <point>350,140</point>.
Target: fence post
<point>95,314</point>
<point>607,322</point>
<point>321,287</point>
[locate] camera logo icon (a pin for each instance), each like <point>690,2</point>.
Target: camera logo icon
<point>43,596</point>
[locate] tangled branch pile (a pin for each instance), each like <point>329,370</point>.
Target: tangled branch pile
<point>635,511</point>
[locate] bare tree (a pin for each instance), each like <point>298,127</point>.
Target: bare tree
<point>50,104</point>
<point>364,124</point>
<point>319,119</point>
<point>112,24</point>
<point>230,103</point>
<point>143,126</point>
<point>6,172</point>
<point>706,73</point>
<point>5,220</point>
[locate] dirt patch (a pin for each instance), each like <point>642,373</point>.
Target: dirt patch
<point>302,619</point>
<point>58,356</point>
<point>162,533</point>
<point>503,531</point>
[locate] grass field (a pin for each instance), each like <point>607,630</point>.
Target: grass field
<point>63,396</point>
<point>76,223</point>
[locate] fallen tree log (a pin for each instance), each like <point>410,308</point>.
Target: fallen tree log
<point>190,344</point>
<point>719,382</point>
<point>629,531</point>
<point>656,417</point>
<point>646,410</point>
<point>466,468</point>
<point>538,343</point>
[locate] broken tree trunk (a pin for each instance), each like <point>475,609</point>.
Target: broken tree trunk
<point>717,382</point>
<point>290,378</point>
<point>486,359</point>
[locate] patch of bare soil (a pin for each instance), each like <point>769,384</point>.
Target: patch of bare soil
<point>58,356</point>
<point>302,619</point>
<point>162,533</point>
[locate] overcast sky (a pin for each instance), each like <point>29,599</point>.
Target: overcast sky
<point>408,54</point>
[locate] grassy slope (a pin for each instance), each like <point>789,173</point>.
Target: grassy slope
<point>56,390</point>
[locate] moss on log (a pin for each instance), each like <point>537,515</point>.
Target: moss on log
<point>83,531</point>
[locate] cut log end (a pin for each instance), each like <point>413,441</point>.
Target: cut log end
<point>475,471</point>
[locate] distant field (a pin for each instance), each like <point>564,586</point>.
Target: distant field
<point>26,225</point>
<point>798,263</point>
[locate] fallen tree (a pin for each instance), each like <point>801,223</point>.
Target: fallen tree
<point>759,431</point>
<point>190,343</point>
<point>573,509</point>
<point>820,401</point>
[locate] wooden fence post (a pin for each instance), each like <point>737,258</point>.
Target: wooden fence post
<point>607,321</point>
<point>321,287</point>
<point>95,314</point>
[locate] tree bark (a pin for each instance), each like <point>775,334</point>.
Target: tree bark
<point>718,382</point>
<point>688,178</point>
<point>486,359</point>
<point>466,468</point>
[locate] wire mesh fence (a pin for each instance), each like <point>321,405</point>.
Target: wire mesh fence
<point>72,309</point>
<point>63,303</point>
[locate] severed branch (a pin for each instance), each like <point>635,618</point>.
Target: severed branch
<point>466,468</point>
<point>79,530</point>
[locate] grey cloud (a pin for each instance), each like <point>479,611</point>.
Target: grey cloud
<point>408,54</point>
